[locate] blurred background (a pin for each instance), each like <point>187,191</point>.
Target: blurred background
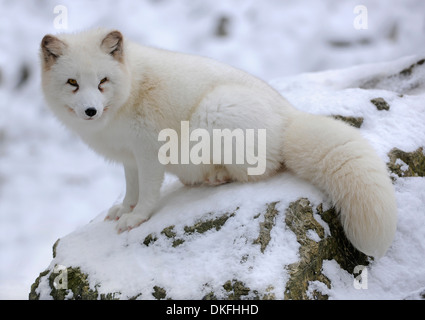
<point>50,183</point>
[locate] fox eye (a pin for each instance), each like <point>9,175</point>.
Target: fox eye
<point>102,82</point>
<point>72,82</point>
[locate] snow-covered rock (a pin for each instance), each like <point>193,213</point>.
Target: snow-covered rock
<point>274,239</point>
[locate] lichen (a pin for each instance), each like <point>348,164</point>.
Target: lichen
<point>266,226</point>
<point>70,284</point>
<point>235,289</point>
<point>110,296</point>
<point>33,295</point>
<point>171,234</point>
<point>299,218</point>
<point>209,296</point>
<point>200,227</point>
<point>204,226</point>
<point>415,162</point>
<point>135,297</point>
<point>269,294</point>
<point>55,245</point>
<point>352,121</point>
<point>150,238</point>
<point>408,71</point>
<point>380,104</point>
<point>77,283</point>
<point>159,293</point>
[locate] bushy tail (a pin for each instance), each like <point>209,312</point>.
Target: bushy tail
<point>337,159</point>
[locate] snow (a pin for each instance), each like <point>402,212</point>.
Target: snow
<point>51,184</point>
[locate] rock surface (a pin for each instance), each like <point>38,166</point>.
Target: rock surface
<point>298,218</point>
<point>275,239</point>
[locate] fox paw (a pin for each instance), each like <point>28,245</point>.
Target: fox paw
<point>117,211</point>
<point>219,176</point>
<point>130,221</point>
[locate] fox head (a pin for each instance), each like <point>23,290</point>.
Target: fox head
<point>85,77</point>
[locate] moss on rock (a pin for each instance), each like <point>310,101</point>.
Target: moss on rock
<point>150,238</point>
<point>380,104</point>
<point>69,284</point>
<point>412,164</point>
<point>299,218</point>
<point>352,121</point>
<point>266,226</point>
<point>235,289</point>
<point>159,293</point>
<point>408,71</point>
<point>55,245</point>
<point>76,283</point>
<point>171,234</point>
<point>269,294</point>
<point>33,295</point>
<point>204,226</point>
<point>199,227</point>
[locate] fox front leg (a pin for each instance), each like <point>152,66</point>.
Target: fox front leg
<point>131,194</point>
<point>150,177</point>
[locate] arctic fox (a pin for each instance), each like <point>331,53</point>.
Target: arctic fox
<point>118,96</point>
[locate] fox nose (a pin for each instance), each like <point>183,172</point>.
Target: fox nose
<point>91,112</point>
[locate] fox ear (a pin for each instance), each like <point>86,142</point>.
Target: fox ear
<point>51,48</point>
<point>113,45</point>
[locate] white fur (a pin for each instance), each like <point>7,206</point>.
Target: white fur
<point>150,89</point>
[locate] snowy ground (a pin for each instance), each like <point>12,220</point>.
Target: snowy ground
<point>51,184</point>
